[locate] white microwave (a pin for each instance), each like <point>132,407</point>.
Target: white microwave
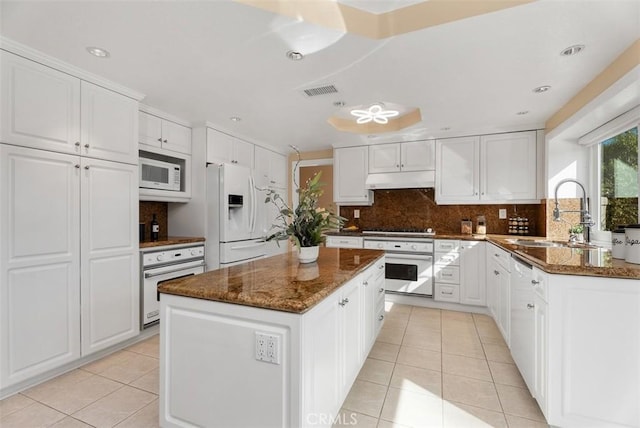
<point>156,174</point>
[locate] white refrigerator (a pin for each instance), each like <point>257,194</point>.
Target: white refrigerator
<point>236,220</point>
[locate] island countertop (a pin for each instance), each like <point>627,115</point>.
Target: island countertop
<point>280,282</point>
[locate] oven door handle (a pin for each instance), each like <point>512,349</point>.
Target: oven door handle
<point>390,255</point>
<point>182,268</point>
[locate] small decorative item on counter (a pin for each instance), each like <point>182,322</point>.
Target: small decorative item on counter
<point>481,227</point>
<point>155,229</point>
<point>618,243</point>
<point>632,243</point>
<point>466,226</point>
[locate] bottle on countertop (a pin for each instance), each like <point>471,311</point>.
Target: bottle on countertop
<point>155,229</point>
<point>481,227</point>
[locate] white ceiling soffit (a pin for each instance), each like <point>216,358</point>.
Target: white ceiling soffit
<point>210,60</point>
<point>379,6</point>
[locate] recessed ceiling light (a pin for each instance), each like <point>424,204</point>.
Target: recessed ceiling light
<point>522,113</point>
<point>339,103</point>
<point>572,50</point>
<point>235,118</point>
<point>541,89</point>
<point>99,52</point>
<point>294,56</point>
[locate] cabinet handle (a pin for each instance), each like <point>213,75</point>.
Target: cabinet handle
<point>449,293</point>
<point>160,139</point>
<point>534,282</point>
<point>341,302</point>
<point>86,167</point>
<point>397,166</point>
<point>365,282</point>
<point>381,290</point>
<point>381,317</point>
<point>476,193</point>
<point>496,272</point>
<point>164,141</point>
<point>346,300</point>
<point>496,254</point>
<point>530,306</point>
<point>402,165</point>
<point>77,144</point>
<point>381,267</point>
<point>86,146</point>
<point>77,166</point>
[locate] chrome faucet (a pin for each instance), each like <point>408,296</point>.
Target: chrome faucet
<point>585,216</point>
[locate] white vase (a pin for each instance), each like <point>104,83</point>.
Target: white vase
<point>308,254</point>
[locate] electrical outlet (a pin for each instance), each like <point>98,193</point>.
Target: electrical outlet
<point>356,213</point>
<point>502,213</point>
<point>268,347</point>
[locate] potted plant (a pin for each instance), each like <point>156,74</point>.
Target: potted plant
<point>306,224</point>
<point>575,233</point>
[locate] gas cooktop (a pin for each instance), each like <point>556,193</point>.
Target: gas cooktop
<point>400,232</point>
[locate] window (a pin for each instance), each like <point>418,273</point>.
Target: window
<point>618,183</point>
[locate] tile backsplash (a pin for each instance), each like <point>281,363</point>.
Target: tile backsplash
<point>416,208</point>
<point>147,210</point>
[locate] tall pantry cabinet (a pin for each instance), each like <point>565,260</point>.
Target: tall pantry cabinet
<point>68,219</point>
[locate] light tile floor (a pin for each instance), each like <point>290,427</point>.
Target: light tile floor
<point>428,368</point>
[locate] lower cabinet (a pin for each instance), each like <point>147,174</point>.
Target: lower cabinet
<point>522,321</point>
<point>460,272</point>
<point>498,291</point>
<point>68,259</point>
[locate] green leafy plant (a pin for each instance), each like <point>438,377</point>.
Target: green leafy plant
<point>305,225</point>
<point>578,228</point>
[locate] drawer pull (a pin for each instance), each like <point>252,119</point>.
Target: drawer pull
<point>365,283</point>
<point>534,282</point>
<point>496,254</point>
<point>447,292</point>
<point>496,272</point>
<point>381,317</point>
<point>381,290</point>
<point>530,306</point>
<point>381,267</point>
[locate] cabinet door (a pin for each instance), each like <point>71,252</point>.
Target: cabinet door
<point>40,106</point>
<point>508,165</point>
<point>176,137</point>
<point>504,303</point>
<point>150,129</point>
<point>219,147</point>
<point>39,262</point>
<point>418,155</point>
<point>262,168</point>
<point>109,247</point>
<point>352,328</point>
<point>243,153</point>
<point>457,175</point>
<point>278,171</point>
<point>492,283</point>
<point>472,273</point>
<point>350,169</point>
<point>109,125</point>
<point>522,322</point>
<point>384,158</point>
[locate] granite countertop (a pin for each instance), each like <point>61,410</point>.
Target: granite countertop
<point>171,240</point>
<point>279,282</point>
<point>585,261</point>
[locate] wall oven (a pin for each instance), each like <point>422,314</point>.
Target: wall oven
<point>159,266</point>
<point>409,264</point>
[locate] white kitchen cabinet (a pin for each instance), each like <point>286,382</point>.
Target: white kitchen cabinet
<point>50,110</point>
<point>541,347</point>
<point>350,169</point>
<point>109,276</point>
<point>522,321</point>
<point>108,125</point>
<point>487,169</point>
<point>457,170</point>
<point>373,305</point>
<point>508,166</point>
<point>395,157</point>
<point>473,273</point>
<point>224,148</point>
<point>352,330</point>
<point>270,168</point>
<point>165,134</point>
<point>39,262</point>
<point>498,282</point>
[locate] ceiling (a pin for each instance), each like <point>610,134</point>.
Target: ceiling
<point>211,60</point>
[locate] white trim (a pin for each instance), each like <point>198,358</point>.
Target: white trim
<point>49,61</point>
<point>618,125</point>
<point>162,115</point>
<point>295,174</point>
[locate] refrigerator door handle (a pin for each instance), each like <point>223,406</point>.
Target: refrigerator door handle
<point>252,198</point>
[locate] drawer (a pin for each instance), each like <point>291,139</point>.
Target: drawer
<point>501,256</point>
<point>446,245</point>
<point>447,259</point>
<point>447,274</point>
<point>446,293</point>
<point>345,241</point>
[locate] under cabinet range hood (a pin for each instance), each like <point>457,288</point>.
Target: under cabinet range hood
<point>401,180</point>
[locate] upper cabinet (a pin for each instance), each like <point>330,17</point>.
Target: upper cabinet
<point>411,156</point>
<point>165,134</point>
<point>224,148</point>
<point>487,169</point>
<point>270,168</point>
<point>350,169</point>
<point>46,109</point>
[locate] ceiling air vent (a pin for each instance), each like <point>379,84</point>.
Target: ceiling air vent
<point>320,90</point>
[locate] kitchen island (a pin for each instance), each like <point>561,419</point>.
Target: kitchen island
<point>270,342</point>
